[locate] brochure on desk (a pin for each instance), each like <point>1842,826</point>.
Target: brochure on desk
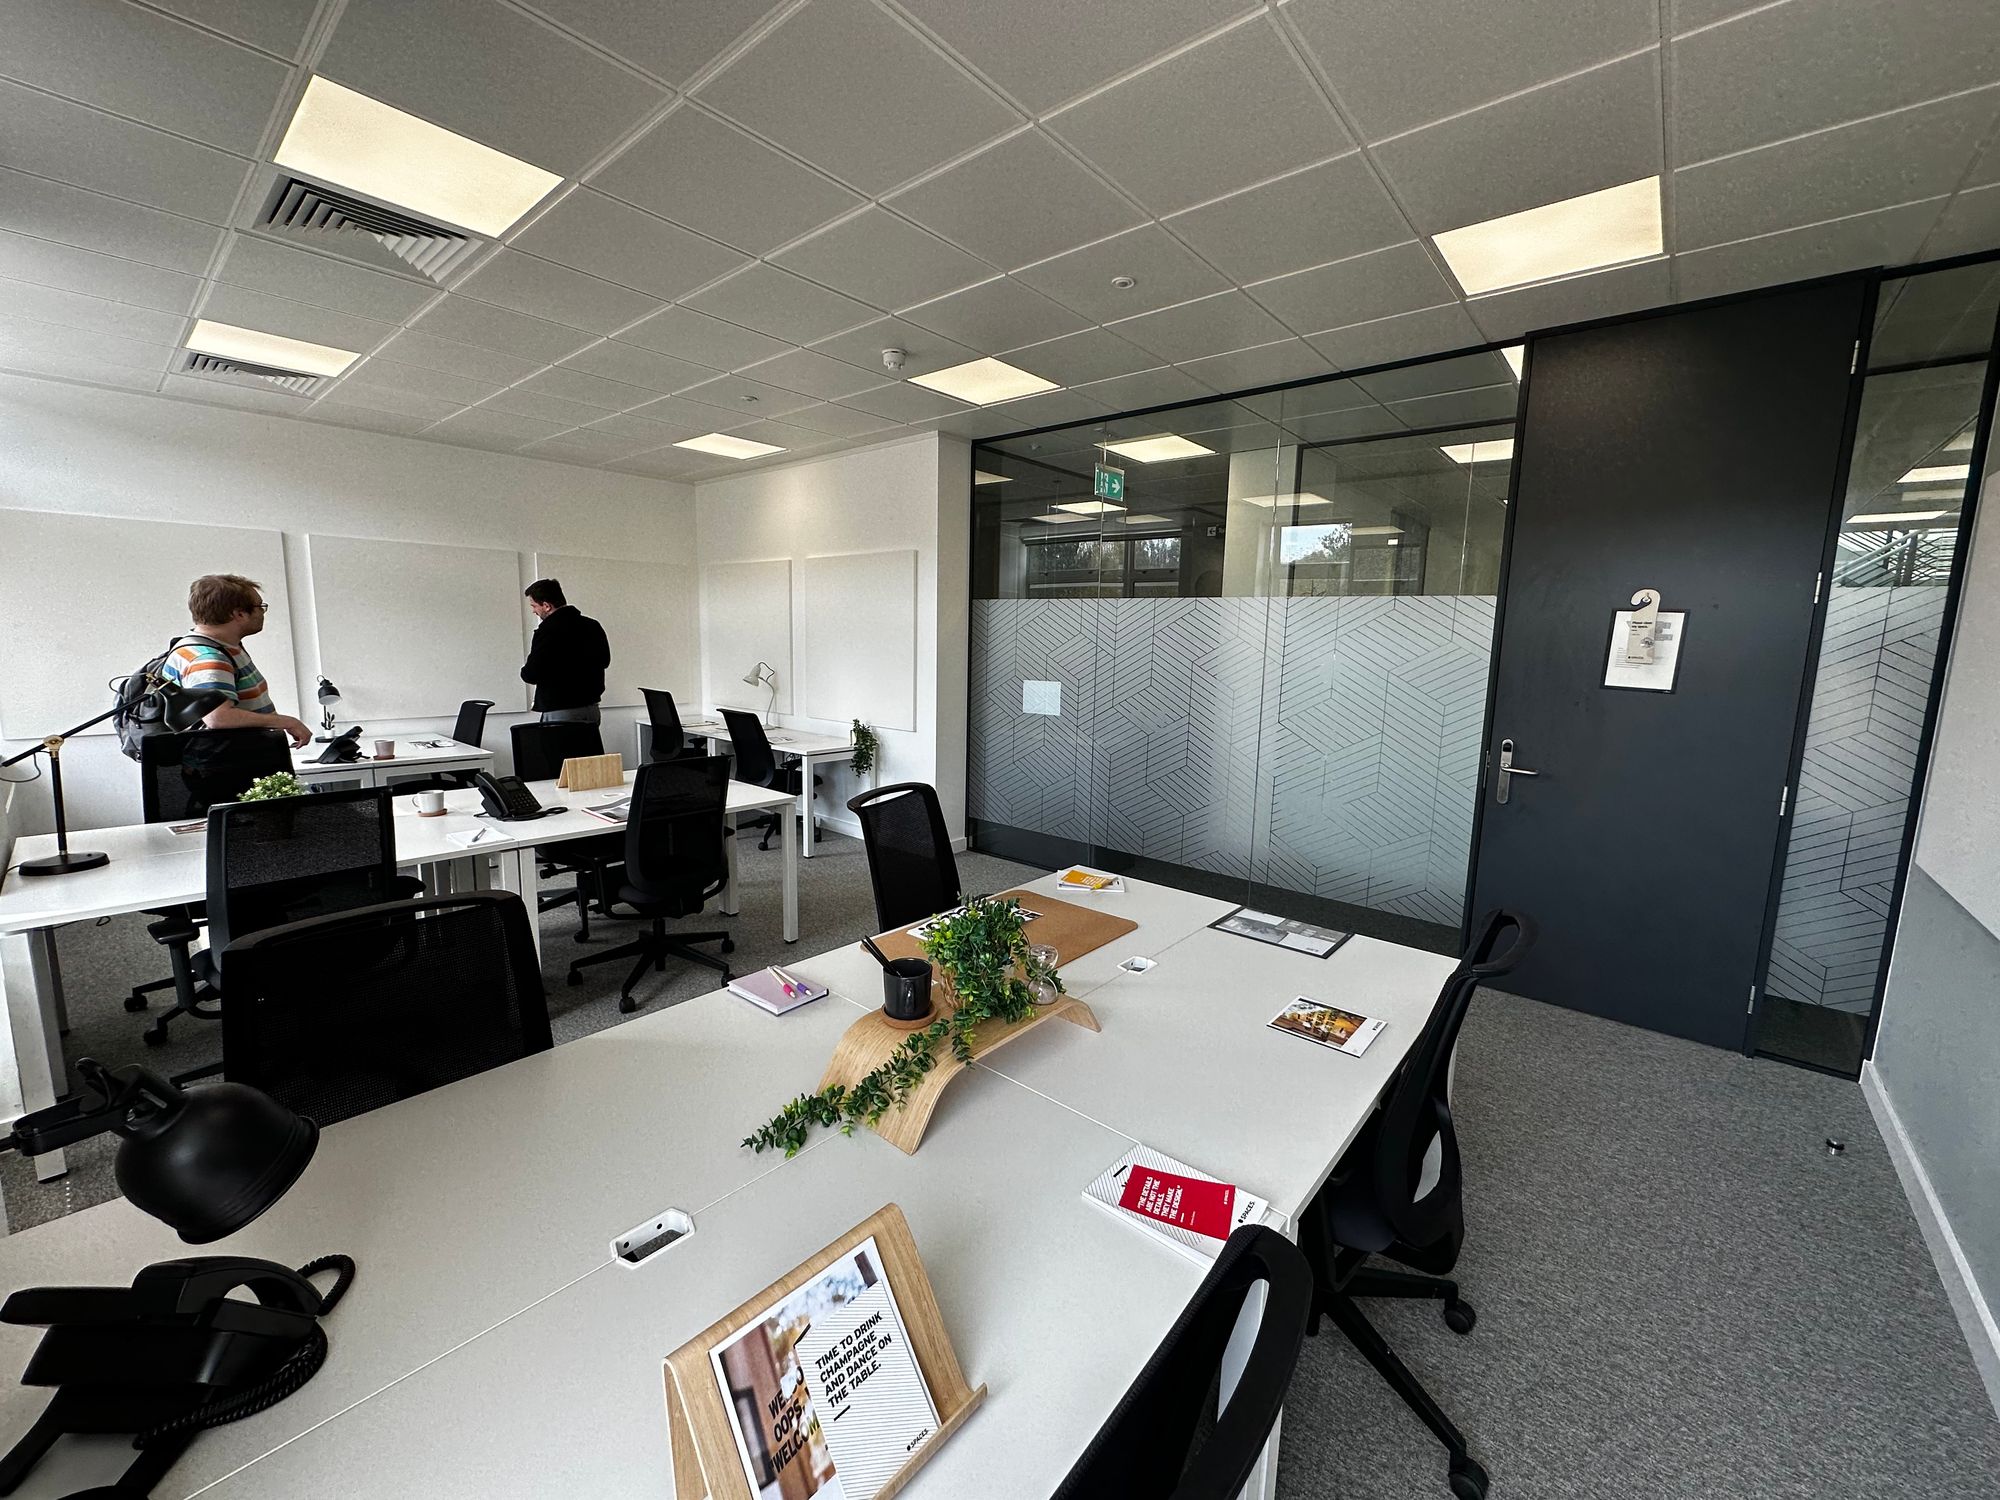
<point>823,1391</point>
<point>1189,1211</point>
<point>1282,932</point>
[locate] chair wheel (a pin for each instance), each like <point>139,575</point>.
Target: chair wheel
<point>575,977</point>
<point>1460,1315</point>
<point>1468,1479</point>
<point>135,1003</point>
<point>154,1036</point>
<point>627,1005</point>
<point>729,945</point>
<point>579,937</point>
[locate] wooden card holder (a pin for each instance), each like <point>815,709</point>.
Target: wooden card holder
<point>706,1466</point>
<point>589,773</point>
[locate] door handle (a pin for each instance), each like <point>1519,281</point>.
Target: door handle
<point>1508,771</point>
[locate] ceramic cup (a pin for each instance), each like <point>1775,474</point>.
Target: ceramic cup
<point>430,804</point>
<point>906,989</point>
<point>385,749</point>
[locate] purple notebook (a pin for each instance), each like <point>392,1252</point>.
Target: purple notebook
<point>776,990</point>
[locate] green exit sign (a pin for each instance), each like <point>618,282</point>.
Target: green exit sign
<point>1110,483</point>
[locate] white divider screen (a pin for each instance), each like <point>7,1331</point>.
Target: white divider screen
<point>648,611</point>
<point>746,617</point>
<point>95,596</point>
<point>858,647</point>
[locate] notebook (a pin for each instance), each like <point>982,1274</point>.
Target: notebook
<point>777,990</point>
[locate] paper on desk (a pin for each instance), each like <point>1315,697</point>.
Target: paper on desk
<point>465,838</point>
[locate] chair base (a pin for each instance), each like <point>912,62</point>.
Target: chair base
<point>652,952</point>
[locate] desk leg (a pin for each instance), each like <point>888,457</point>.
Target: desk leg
<point>788,841</point>
<point>810,797</point>
<point>30,984</point>
<point>517,874</point>
<point>728,901</point>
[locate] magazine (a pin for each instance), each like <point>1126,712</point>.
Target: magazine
<point>615,811</point>
<point>1284,932</point>
<point>824,1393</point>
<point>1077,878</point>
<point>1169,1200</point>
<point>1328,1025</point>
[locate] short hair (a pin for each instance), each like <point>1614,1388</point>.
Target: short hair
<point>546,591</point>
<point>218,598</point>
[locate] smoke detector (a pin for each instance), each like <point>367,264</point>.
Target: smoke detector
<point>892,360</point>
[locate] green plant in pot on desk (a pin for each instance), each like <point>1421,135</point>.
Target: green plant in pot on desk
<point>982,955</point>
<point>271,788</point>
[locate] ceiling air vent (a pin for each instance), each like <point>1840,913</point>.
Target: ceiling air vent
<point>290,380</point>
<point>305,209</point>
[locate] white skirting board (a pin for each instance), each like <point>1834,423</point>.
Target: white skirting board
<point>845,822</point>
<point>1968,1300</point>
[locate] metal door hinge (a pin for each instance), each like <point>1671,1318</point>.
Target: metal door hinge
<point>1855,363</point>
<point>1819,580</point>
<point>1751,1008</point>
<point>1784,798</point>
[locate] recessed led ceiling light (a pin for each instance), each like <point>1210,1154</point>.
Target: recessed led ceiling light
<point>229,342</point>
<point>1588,233</point>
<point>1131,520</point>
<point>1375,531</point>
<point>980,476</point>
<point>1894,517</point>
<point>1925,497</point>
<point>1516,356</point>
<point>1937,474</point>
<point>1492,451</point>
<point>1960,444</point>
<point>1053,520</point>
<point>1153,450</point>
<point>1304,497</point>
<point>983,381</point>
<point>1089,507</point>
<point>728,447</point>
<point>356,142</point>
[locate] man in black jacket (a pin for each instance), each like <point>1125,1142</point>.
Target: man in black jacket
<point>566,659</point>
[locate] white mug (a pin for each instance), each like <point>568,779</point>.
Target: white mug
<point>431,803</point>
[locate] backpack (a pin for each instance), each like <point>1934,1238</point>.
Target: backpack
<point>138,716</point>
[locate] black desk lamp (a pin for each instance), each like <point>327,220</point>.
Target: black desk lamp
<point>179,709</point>
<point>328,695</point>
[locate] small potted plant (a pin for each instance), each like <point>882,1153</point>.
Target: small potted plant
<point>866,747</point>
<point>271,788</point>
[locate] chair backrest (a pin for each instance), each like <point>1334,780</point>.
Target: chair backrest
<point>909,853</point>
<point>184,775</point>
<point>754,761</point>
<point>343,1013</point>
<point>1417,1112</point>
<point>666,722</point>
<point>674,852</point>
<point>1147,1449</point>
<point>540,749</point>
<point>471,726</point>
<point>295,857</point>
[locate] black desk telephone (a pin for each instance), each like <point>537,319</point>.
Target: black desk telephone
<point>342,748</point>
<point>169,1356</point>
<point>508,798</point>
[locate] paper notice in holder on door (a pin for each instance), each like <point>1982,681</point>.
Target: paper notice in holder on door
<point>1657,675</point>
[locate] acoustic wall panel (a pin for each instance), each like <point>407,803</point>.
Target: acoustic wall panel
<point>407,630</point>
<point>648,611</point>
<point>746,617</point>
<point>858,639</point>
<point>91,597</point>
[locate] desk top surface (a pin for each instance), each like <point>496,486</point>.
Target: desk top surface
<point>791,741</point>
<point>418,753</point>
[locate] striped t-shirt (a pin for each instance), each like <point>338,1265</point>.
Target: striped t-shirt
<point>198,666</point>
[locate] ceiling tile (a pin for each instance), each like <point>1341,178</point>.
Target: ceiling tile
<point>52,137</point>
<point>1399,66</point>
<point>974,423</point>
<point>747,400</point>
<point>1146,388</point>
<point>1046,51</point>
<point>677,411</point>
<point>388,375</point>
<point>644,430</point>
<point>852,91</point>
<point>559,107</point>
<point>702,340</point>
<point>63,367</point>
<point>285,271</point>
<point>839,421</point>
<point>593,445</point>
<point>490,327</point>
<point>1213,325</point>
<point>780,304</point>
<point>94,314</point>
<point>1888,237</point>
<point>1493,403</point>
<point>1079,358</point>
<point>406,402</point>
<point>674,45</point>
<point>1467,372</point>
<point>144,66</point>
<point>1237,110</point>
<point>226,393</point>
<point>1601,294</point>
<point>78,270</point>
<point>72,216</point>
<point>673,463</point>
<point>1379,284</point>
<point>1020,201</point>
<point>1166,271</point>
<point>903,402</point>
<point>1047,409</point>
<point>1898,158</point>
<point>567,384</point>
<point>1329,211</point>
<point>710,176</point>
<point>883,260</point>
<point>1268,364</point>
<point>1002,314</point>
<point>560,414</point>
<point>783,434</point>
<point>367,419</point>
<point>814,374</point>
<point>274,25</point>
<point>1786,69</point>
<point>27,334</point>
<point>245,308</point>
<point>489,365</point>
<point>1687,15</point>
<point>1405,336</point>
<point>492,429</point>
<point>1971,222</point>
<point>543,289</point>
<point>1524,152</point>
<point>659,373</point>
<point>617,242</point>
<point>923,351</point>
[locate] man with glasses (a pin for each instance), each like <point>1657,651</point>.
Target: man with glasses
<point>226,607</point>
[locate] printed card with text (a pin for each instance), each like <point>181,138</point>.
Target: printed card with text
<point>865,1384</point>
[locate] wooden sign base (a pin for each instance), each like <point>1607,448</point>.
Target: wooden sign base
<point>706,1465</point>
<point>590,773</point>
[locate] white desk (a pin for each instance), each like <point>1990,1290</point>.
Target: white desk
<point>810,750</point>
<point>414,759</point>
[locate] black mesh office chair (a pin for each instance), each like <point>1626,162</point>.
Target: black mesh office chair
<point>1399,1194</point>
<point>909,853</point>
<point>539,751</point>
<point>470,729</point>
<point>675,861</point>
<point>336,1015</point>
<point>181,776</point>
<point>669,739</point>
<point>1157,1443</point>
<point>756,764</point>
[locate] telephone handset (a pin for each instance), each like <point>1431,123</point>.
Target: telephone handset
<point>170,1355</point>
<point>508,798</point>
<point>342,748</point>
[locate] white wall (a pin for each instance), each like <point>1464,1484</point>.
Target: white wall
<point>914,493</point>
<point>112,453</point>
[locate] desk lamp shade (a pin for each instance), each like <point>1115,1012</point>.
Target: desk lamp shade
<point>758,675</point>
<point>184,709</point>
<point>328,693</point>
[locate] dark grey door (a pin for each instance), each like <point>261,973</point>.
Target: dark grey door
<point>1698,454</point>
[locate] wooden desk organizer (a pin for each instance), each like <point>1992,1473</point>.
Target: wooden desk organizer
<point>706,1466</point>
<point>590,773</point>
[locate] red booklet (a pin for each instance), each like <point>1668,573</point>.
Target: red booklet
<point>1186,1202</point>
